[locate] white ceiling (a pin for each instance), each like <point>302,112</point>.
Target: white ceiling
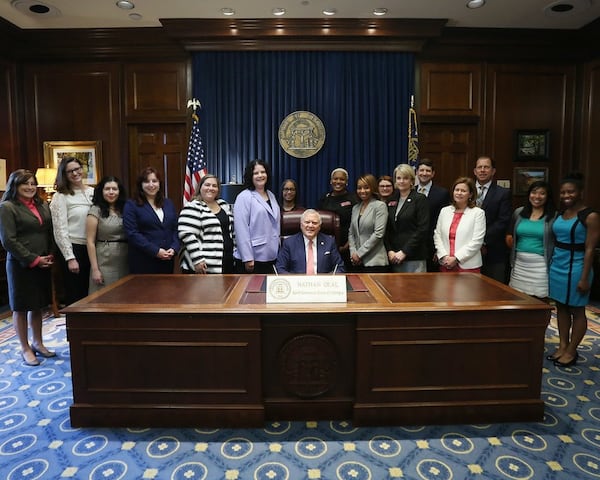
<point>105,13</point>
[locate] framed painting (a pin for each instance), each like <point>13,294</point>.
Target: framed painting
<point>89,153</point>
<point>525,176</point>
<point>532,145</point>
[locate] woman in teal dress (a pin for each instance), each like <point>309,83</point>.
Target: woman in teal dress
<point>576,232</point>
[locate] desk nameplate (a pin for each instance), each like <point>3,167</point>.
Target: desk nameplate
<point>306,289</point>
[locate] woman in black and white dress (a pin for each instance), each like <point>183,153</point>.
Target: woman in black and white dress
<point>206,231</point>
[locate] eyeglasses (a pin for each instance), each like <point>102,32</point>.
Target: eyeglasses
<point>74,170</point>
<point>385,186</point>
<point>289,189</point>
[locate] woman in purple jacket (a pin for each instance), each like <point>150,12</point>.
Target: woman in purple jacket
<point>256,222</point>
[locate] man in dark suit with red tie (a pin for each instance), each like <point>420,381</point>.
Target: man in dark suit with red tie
<point>437,197</point>
<point>497,204</point>
<point>309,251</point>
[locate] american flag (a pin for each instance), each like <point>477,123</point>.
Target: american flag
<point>413,135</point>
<point>195,166</point>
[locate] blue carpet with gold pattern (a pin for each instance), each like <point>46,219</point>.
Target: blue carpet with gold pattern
<point>38,442</point>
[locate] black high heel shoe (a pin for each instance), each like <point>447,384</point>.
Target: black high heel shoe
<point>552,358</point>
<point>43,351</point>
<point>558,363</point>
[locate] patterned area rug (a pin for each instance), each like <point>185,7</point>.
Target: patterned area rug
<point>38,442</point>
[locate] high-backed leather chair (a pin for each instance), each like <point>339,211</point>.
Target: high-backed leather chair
<point>330,223</point>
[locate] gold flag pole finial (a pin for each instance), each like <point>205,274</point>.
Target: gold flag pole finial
<point>195,104</point>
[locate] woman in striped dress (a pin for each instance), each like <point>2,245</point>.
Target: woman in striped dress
<point>206,231</point>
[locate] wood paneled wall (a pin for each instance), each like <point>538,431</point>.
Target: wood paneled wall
<point>530,97</point>
<point>8,114</point>
<point>488,102</point>
<point>589,138</point>
<point>79,101</point>
<point>473,93</point>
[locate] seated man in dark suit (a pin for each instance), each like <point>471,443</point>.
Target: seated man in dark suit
<point>309,251</point>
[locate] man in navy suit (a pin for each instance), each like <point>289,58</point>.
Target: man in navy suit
<point>294,254</point>
<point>438,198</point>
<point>497,204</point>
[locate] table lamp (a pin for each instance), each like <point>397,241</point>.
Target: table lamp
<point>46,178</point>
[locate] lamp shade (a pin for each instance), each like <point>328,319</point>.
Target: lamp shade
<point>45,177</point>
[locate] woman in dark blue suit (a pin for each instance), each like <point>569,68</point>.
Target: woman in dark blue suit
<point>150,221</point>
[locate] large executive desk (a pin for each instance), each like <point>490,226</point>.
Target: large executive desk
<point>191,350</point>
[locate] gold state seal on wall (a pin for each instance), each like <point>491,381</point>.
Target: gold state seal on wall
<point>301,134</point>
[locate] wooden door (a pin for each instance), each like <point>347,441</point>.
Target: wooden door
<point>453,149</point>
<point>164,147</point>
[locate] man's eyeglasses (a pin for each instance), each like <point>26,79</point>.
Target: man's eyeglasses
<point>74,170</point>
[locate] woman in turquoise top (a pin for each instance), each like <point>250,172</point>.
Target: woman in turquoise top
<point>531,241</point>
<point>576,232</point>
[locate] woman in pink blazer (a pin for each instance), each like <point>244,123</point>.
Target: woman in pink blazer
<point>460,230</point>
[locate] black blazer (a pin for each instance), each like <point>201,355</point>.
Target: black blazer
<point>438,198</point>
<point>497,205</point>
<point>409,230</point>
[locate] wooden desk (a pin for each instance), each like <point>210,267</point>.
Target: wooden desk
<point>185,350</point>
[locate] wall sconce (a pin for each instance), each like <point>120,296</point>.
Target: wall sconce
<point>46,178</point>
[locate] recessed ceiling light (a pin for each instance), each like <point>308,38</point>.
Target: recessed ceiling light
<point>379,11</point>
<point>135,16</point>
<point>475,3</point>
<point>329,11</point>
<point>35,8</point>
<point>125,4</point>
<point>228,11</point>
<point>562,8</point>
<point>278,11</point>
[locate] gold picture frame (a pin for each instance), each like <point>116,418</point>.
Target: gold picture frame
<point>89,153</point>
<point>525,176</point>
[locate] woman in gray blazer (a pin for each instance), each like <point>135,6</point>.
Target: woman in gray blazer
<point>26,234</point>
<point>367,229</point>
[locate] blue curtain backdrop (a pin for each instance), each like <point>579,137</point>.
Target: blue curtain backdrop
<point>362,98</point>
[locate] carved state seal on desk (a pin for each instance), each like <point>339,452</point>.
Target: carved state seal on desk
<point>301,134</point>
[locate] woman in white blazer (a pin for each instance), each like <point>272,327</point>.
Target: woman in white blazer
<point>367,229</point>
<point>460,230</point>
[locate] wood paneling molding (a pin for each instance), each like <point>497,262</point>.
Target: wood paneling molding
<point>303,34</point>
<point>156,90</point>
<point>450,89</point>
